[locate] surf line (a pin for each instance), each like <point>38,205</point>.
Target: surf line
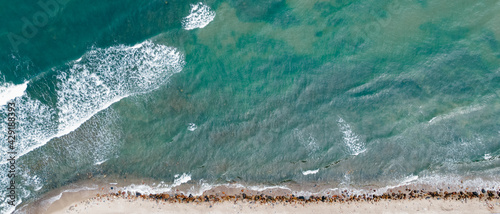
<point>11,139</point>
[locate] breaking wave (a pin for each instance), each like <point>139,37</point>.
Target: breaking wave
<point>101,77</point>
<point>201,15</point>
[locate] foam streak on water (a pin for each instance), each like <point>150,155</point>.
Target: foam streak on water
<point>459,111</point>
<point>192,127</point>
<point>180,179</point>
<point>309,142</point>
<point>196,189</point>
<point>310,172</point>
<point>200,16</point>
<point>351,140</point>
<point>160,188</point>
<point>10,91</point>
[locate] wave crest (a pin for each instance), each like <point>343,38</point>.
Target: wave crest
<point>201,15</point>
<point>105,76</point>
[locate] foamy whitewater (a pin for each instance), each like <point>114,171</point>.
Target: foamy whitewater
<point>351,140</point>
<point>197,188</point>
<point>200,16</point>
<point>9,92</point>
<point>310,172</point>
<point>104,77</point>
<point>91,84</point>
<point>161,187</point>
<point>192,127</point>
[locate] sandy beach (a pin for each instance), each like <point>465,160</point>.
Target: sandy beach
<point>121,205</point>
<point>223,199</point>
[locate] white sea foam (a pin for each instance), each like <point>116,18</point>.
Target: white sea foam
<point>351,140</point>
<point>10,91</point>
<point>35,126</point>
<point>146,189</point>
<point>7,209</point>
<point>53,199</point>
<point>196,189</point>
<point>192,127</point>
<point>456,112</point>
<point>308,142</point>
<point>437,181</point>
<point>98,79</point>
<point>137,46</point>
<point>264,188</point>
<point>411,179</point>
<point>258,188</point>
<point>108,75</point>
<point>95,142</point>
<point>90,84</point>
<point>160,188</point>
<point>100,162</point>
<point>31,180</point>
<point>487,156</point>
<point>405,181</point>
<point>81,95</point>
<point>181,179</point>
<point>202,186</point>
<point>457,181</point>
<point>200,16</point>
<point>310,172</point>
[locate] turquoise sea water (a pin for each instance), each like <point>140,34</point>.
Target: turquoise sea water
<point>349,93</point>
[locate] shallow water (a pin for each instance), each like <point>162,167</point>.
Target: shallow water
<point>265,92</point>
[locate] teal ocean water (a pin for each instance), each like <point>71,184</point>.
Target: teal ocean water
<point>268,92</point>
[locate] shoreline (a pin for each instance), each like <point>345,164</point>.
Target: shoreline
<point>93,196</point>
<point>113,204</point>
